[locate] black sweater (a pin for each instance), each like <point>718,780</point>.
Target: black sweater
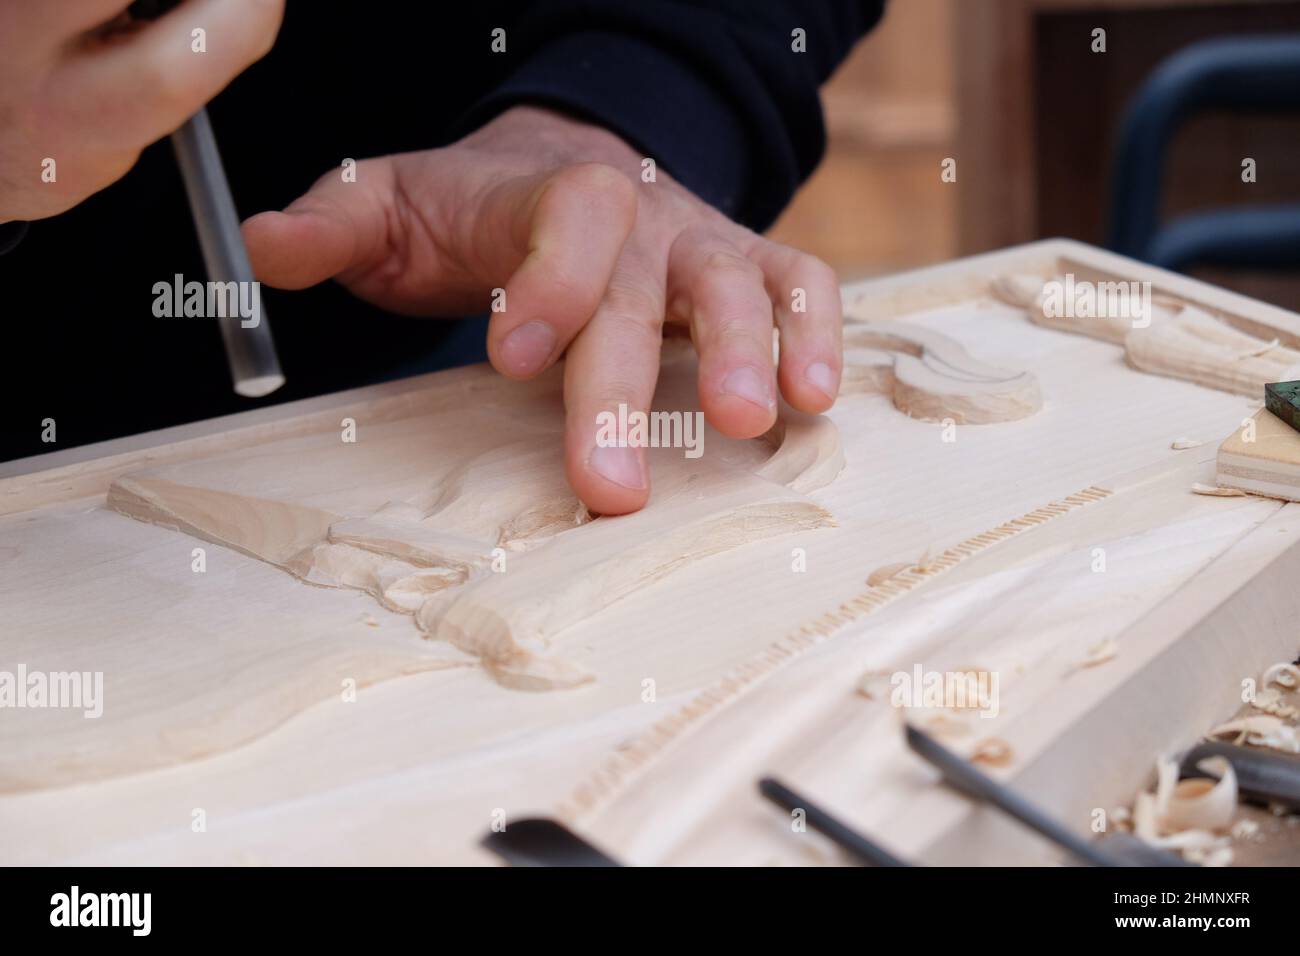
<point>709,88</point>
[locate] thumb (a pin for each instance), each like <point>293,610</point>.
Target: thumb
<point>335,228</point>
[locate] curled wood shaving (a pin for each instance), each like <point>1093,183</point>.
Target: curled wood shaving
<point>1270,701</point>
<point>992,752</point>
<point>1182,815</point>
<point>1166,779</point>
<point>1203,803</point>
<point>1261,731</point>
<point>1204,489</point>
<point>1145,824</point>
<point>1287,675</point>
<point>1178,444</point>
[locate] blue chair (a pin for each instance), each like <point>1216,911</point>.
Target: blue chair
<point>1244,74</point>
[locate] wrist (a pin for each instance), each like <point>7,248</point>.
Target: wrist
<point>554,137</point>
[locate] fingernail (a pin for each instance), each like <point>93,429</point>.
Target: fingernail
<point>525,350</point>
<point>618,464</point>
<point>820,377</point>
<point>746,383</point>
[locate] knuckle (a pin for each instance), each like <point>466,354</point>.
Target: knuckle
<point>598,180</point>
<point>181,90</point>
<point>816,274</point>
<point>634,304</point>
<point>727,286</point>
<point>620,391</point>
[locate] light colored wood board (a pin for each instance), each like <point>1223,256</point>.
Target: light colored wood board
<point>188,660</point>
<point>970,279</point>
<point>28,483</point>
<point>462,516</point>
<point>391,778</point>
<point>812,727</point>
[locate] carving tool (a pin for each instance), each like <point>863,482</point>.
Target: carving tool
<point>543,842</point>
<point>1261,777</point>
<point>1117,850</point>
<point>1283,400</point>
<point>250,351</point>
<point>845,837</point>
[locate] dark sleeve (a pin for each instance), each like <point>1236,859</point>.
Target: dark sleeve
<point>11,233</point>
<point>711,89</point>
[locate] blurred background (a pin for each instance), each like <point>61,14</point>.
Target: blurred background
<point>1013,90</point>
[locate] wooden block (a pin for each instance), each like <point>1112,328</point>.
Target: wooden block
<point>1262,457</point>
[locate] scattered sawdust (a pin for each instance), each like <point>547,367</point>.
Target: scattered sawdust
<point>1269,700</point>
<point>1244,829</point>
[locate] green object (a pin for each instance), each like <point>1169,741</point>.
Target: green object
<point>1283,400</point>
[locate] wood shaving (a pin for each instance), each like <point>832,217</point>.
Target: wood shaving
<point>1100,653</point>
<point>1203,489</point>
<point>1144,817</point>
<point>945,726</point>
<point>1270,701</point>
<point>1244,829</point>
<point>883,574</point>
<point>1203,803</point>
<point>1178,444</point>
<point>992,752</point>
<point>1166,780</point>
<point>1261,731</point>
<point>1287,675</point>
<point>1266,347</point>
<point>1183,815</point>
<point>1209,856</point>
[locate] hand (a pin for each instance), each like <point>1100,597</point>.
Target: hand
<point>592,261</point>
<point>82,84</point>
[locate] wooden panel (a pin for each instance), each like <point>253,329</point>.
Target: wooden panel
<point>993,540</point>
